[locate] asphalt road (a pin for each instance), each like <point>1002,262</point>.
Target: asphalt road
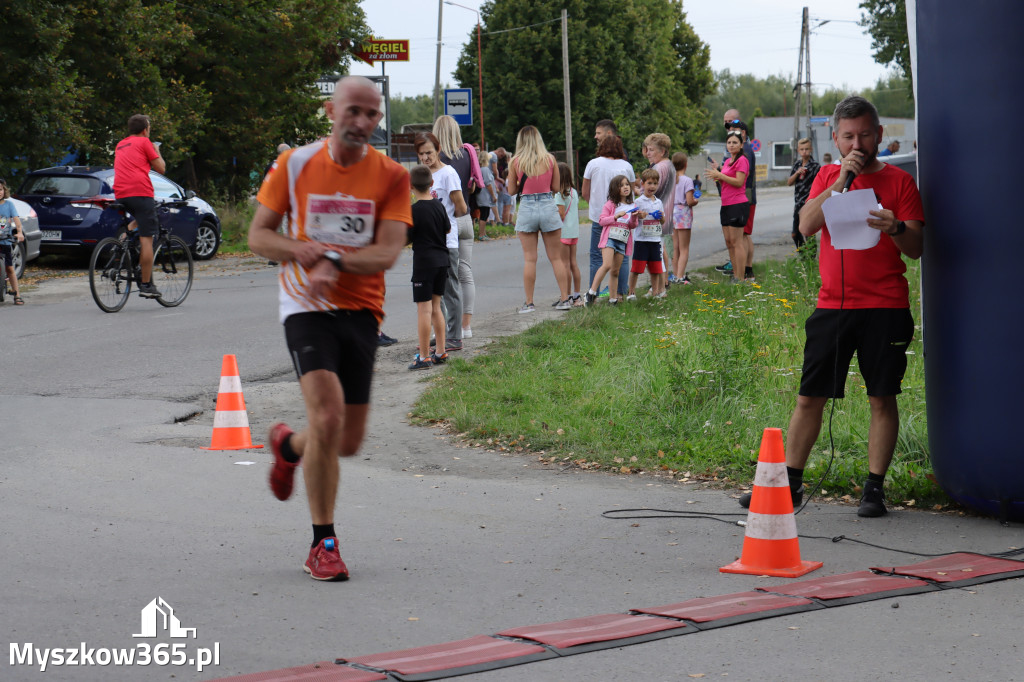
<point>108,503</point>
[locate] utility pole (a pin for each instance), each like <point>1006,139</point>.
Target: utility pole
<point>797,88</point>
<point>803,87</point>
<point>437,69</point>
<point>565,93</point>
<point>807,87</point>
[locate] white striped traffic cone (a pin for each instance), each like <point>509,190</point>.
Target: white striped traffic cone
<point>770,546</point>
<point>230,421</point>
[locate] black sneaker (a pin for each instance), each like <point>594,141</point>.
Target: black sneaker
<point>872,501</point>
<point>385,340</point>
<point>148,290</point>
<point>726,267</point>
<point>798,497</point>
<point>590,298</point>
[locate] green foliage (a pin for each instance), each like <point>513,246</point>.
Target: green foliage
<point>415,109</point>
<point>773,96</point>
<point>747,93</point>
<point>626,63</point>
<point>684,385</point>
<point>223,83</point>
<point>886,21</point>
<point>892,96</point>
<point>235,218</point>
<point>38,116</point>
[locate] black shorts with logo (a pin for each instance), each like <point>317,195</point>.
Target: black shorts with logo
<point>339,341</point>
<point>428,282</point>
<point>143,209</point>
<point>879,336</point>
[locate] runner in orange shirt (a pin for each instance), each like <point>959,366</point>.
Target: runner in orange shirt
<point>349,209</point>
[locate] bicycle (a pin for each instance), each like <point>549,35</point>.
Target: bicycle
<point>114,266</point>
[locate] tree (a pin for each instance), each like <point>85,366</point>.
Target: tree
<point>748,94</point>
<point>892,96</point>
<point>636,62</point>
<point>257,61</point>
<point>886,21</point>
<point>38,118</point>
<point>415,109</point>
<point>223,83</point>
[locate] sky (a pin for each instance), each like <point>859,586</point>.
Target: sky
<point>761,37</point>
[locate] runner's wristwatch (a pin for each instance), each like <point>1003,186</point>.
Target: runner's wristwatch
<point>335,259</point>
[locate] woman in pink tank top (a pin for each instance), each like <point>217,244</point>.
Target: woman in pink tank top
<point>534,176</point>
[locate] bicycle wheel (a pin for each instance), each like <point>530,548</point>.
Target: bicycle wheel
<point>172,271</point>
<point>110,276</point>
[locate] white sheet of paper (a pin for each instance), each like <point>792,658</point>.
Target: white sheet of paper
<point>846,216</point>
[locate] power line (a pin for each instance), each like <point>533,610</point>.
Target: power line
<point>520,28</point>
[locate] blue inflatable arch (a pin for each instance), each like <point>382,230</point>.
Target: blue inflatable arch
<point>969,81</point>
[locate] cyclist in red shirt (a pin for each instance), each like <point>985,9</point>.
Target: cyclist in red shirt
<point>134,157</point>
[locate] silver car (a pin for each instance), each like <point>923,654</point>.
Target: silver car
<point>29,249</point>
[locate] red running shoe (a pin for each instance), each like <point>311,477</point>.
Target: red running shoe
<point>324,562</point>
<point>282,472</point>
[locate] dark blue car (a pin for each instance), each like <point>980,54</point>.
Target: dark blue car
<point>73,205</point>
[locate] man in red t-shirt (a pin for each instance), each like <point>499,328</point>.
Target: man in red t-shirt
<point>349,208</point>
<point>134,156</point>
<point>863,304</point>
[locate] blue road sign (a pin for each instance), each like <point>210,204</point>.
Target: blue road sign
<point>458,103</point>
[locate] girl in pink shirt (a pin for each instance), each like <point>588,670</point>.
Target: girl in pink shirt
<point>618,218</point>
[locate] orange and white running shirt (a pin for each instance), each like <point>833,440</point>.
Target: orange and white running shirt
<point>340,206</point>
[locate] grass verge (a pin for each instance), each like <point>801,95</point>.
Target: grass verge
<point>682,386</point>
<point>234,225</point>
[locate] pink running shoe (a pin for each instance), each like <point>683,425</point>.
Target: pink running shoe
<point>324,562</point>
<point>282,472</point>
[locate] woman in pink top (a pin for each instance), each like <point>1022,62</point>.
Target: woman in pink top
<point>735,207</point>
<point>534,176</point>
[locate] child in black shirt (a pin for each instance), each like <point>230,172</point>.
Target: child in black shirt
<point>430,225</point>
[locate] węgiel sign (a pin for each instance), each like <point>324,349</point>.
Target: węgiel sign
<point>380,50</point>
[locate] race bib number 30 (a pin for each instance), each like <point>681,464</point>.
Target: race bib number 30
<point>339,220</point>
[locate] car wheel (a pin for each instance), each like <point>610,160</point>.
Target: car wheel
<point>207,241</point>
<point>20,254</point>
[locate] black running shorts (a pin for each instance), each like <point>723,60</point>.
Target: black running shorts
<point>735,215</point>
<point>340,341</point>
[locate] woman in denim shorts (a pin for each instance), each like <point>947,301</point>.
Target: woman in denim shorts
<point>533,175</point>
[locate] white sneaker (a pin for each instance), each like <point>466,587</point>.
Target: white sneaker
<point>631,297</point>
<point>467,333</point>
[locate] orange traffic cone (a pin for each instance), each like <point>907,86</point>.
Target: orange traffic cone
<point>771,546</point>
<point>230,422</point>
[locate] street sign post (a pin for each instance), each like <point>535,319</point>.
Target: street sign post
<point>458,105</point>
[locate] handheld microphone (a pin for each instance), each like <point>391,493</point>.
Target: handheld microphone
<point>849,181</point>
